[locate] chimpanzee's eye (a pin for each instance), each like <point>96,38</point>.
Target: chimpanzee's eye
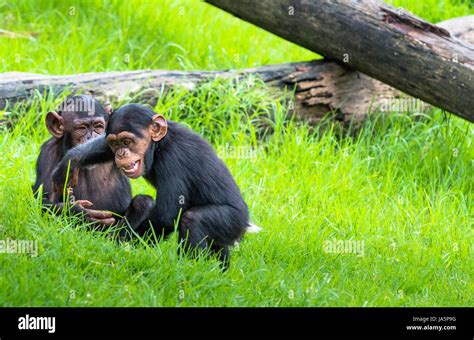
<point>126,142</point>
<point>113,144</point>
<point>81,129</point>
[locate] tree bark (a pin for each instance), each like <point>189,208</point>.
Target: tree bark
<point>388,44</point>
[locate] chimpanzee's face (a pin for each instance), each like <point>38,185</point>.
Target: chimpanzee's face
<point>78,128</point>
<point>130,147</point>
<point>84,129</point>
<point>129,150</point>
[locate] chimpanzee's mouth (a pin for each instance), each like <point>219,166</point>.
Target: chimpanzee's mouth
<point>133,169</point>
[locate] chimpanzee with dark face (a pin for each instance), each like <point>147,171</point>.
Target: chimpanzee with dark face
<point>185,171</point>
<point>103,186</point>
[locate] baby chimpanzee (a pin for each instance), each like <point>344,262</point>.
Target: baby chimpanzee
<point>184,169</point>
<point>77,120</point>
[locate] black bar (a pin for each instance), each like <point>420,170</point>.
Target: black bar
<point>225,322</point>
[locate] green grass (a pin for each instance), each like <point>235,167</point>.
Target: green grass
<point>403,186</point>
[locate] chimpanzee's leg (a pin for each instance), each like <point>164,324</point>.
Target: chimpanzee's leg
<point>214,227</point>
<point>223,253</point>
<point>136,217</point>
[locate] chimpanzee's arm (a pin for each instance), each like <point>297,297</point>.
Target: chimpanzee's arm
<point>136,217</point>
<point>93,152</point>
<point>43,188</point>
<point>171,196</point>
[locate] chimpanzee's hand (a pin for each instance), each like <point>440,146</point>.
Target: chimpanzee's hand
<point>103,217</point>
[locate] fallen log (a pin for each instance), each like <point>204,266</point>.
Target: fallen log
<point>320,86</point>
<point>386,43</point>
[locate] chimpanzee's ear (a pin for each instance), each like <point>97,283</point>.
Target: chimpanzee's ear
<point>158,128</point>
<point>55,124</point>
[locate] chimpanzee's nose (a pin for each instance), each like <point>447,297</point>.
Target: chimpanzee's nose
<point>121,153</point>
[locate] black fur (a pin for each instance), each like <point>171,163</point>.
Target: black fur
<point>102,184</point>
<point>187,175</point>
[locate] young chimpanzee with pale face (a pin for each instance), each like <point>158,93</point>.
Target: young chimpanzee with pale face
<point>77,120</point>
<point>183,168</point>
